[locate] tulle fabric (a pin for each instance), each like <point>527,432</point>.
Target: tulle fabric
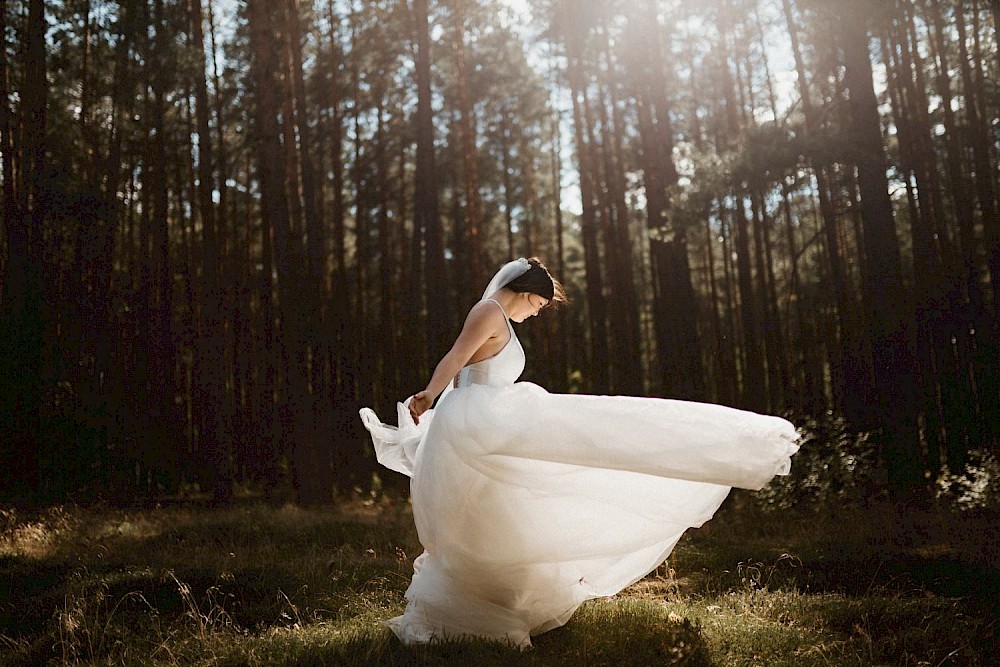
<point>528,503</point>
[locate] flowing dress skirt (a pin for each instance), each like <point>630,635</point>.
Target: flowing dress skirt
<point>529,503</point>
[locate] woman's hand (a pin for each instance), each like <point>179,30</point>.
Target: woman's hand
<point>484,322</point>
<point>419,404</point>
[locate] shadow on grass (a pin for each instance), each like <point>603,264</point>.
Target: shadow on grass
<point>600,633</point>
<point>107,583</point>
<point>30,592</point>
<point>33,594</point>
<point>858,575</point>
<point>855,574</point>
<point>857,554</point>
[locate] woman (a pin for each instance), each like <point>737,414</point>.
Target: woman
<point>529,503</point>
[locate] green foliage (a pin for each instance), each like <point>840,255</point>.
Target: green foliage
<point>838,467</point>
<point>835,466</point>
<point>975,488</point>
<point>768,153</point>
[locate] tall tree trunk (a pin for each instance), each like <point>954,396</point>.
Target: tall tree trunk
<point>365,351</point>
<point>979,339</point>
<point>885,297</point>
<point>722,352</point>
<point>772,333</point>
<point>675,307</point>
<point>766,299</point>
<point>209,385</point>
<point>985,176</point>
<point>75,327</point>
<point>753,386</point>
<point>850,366</point>
<point>995,9</point>
<point>269,400</point>
<point>723,365</point>
<point>309,450</point>
<point>159,347</point>
<point>341,336</point>
<point>21,340</point>
<point>388,341</point>
<point>598,381</point>
<point>7,131</point>
<point>232,276</point>
<point>426,206</point>
<point>310,483</point>
<point>775,344</point>
<point>473,213</point>
<point>314,232</point>
<point>506,180</point>
<point>806,373</point>
<point>531,224</point>
<point>626,366</point>
<point>107,379</point>
<point>562,345</point>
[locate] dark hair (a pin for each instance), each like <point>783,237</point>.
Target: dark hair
<point>538,280</point>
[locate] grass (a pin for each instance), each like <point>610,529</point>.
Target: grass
<point>260,585</point>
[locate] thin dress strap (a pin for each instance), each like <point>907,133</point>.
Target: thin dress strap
<point>506,317</point>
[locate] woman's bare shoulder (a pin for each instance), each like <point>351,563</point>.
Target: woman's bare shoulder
<point>486,313</point>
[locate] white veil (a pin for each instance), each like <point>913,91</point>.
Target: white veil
<point>507,273</point>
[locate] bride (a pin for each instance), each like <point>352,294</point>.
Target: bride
<point>529,503</point>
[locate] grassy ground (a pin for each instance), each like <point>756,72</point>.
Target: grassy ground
<point>257,585</point>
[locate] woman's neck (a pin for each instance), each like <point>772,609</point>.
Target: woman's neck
<point>508,300</point>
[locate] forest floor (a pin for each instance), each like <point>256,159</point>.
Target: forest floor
<point>254,584</point>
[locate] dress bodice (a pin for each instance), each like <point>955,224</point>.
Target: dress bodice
<point>502,368</point>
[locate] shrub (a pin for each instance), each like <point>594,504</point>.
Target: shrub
<point>834,465</point>
<point>973,489</point>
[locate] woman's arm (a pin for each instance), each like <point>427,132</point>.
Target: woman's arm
<point>482,324</point>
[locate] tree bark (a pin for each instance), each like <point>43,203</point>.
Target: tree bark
<point>926,259</point>
<point>209,384</point>
<point>599,381</point>
<point>753,388</point>
<point>562,342</point>
<point>995,10</point>
<point>886,299</point>
<point>159,381</point>
<point>7,130</point>
<point>985,174</point>
<point>850,365</point>
<point>298,409</point>
<point>314,232</point>
<point>21,340</point>
<point>472,217</point>
<point>427,215</point>
<point>978,340</point>
<point>626,367</point>
<point>674,303</point>
<point>507,181</point>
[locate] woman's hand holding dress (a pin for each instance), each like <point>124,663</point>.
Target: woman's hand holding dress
<point>482,324</point>
<point>419,404</point>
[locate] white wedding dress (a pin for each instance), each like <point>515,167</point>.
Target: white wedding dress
<point>529,503</point>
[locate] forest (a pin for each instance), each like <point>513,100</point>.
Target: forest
<point>228,226</point>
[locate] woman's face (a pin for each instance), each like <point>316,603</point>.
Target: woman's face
<point>527,305</point>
